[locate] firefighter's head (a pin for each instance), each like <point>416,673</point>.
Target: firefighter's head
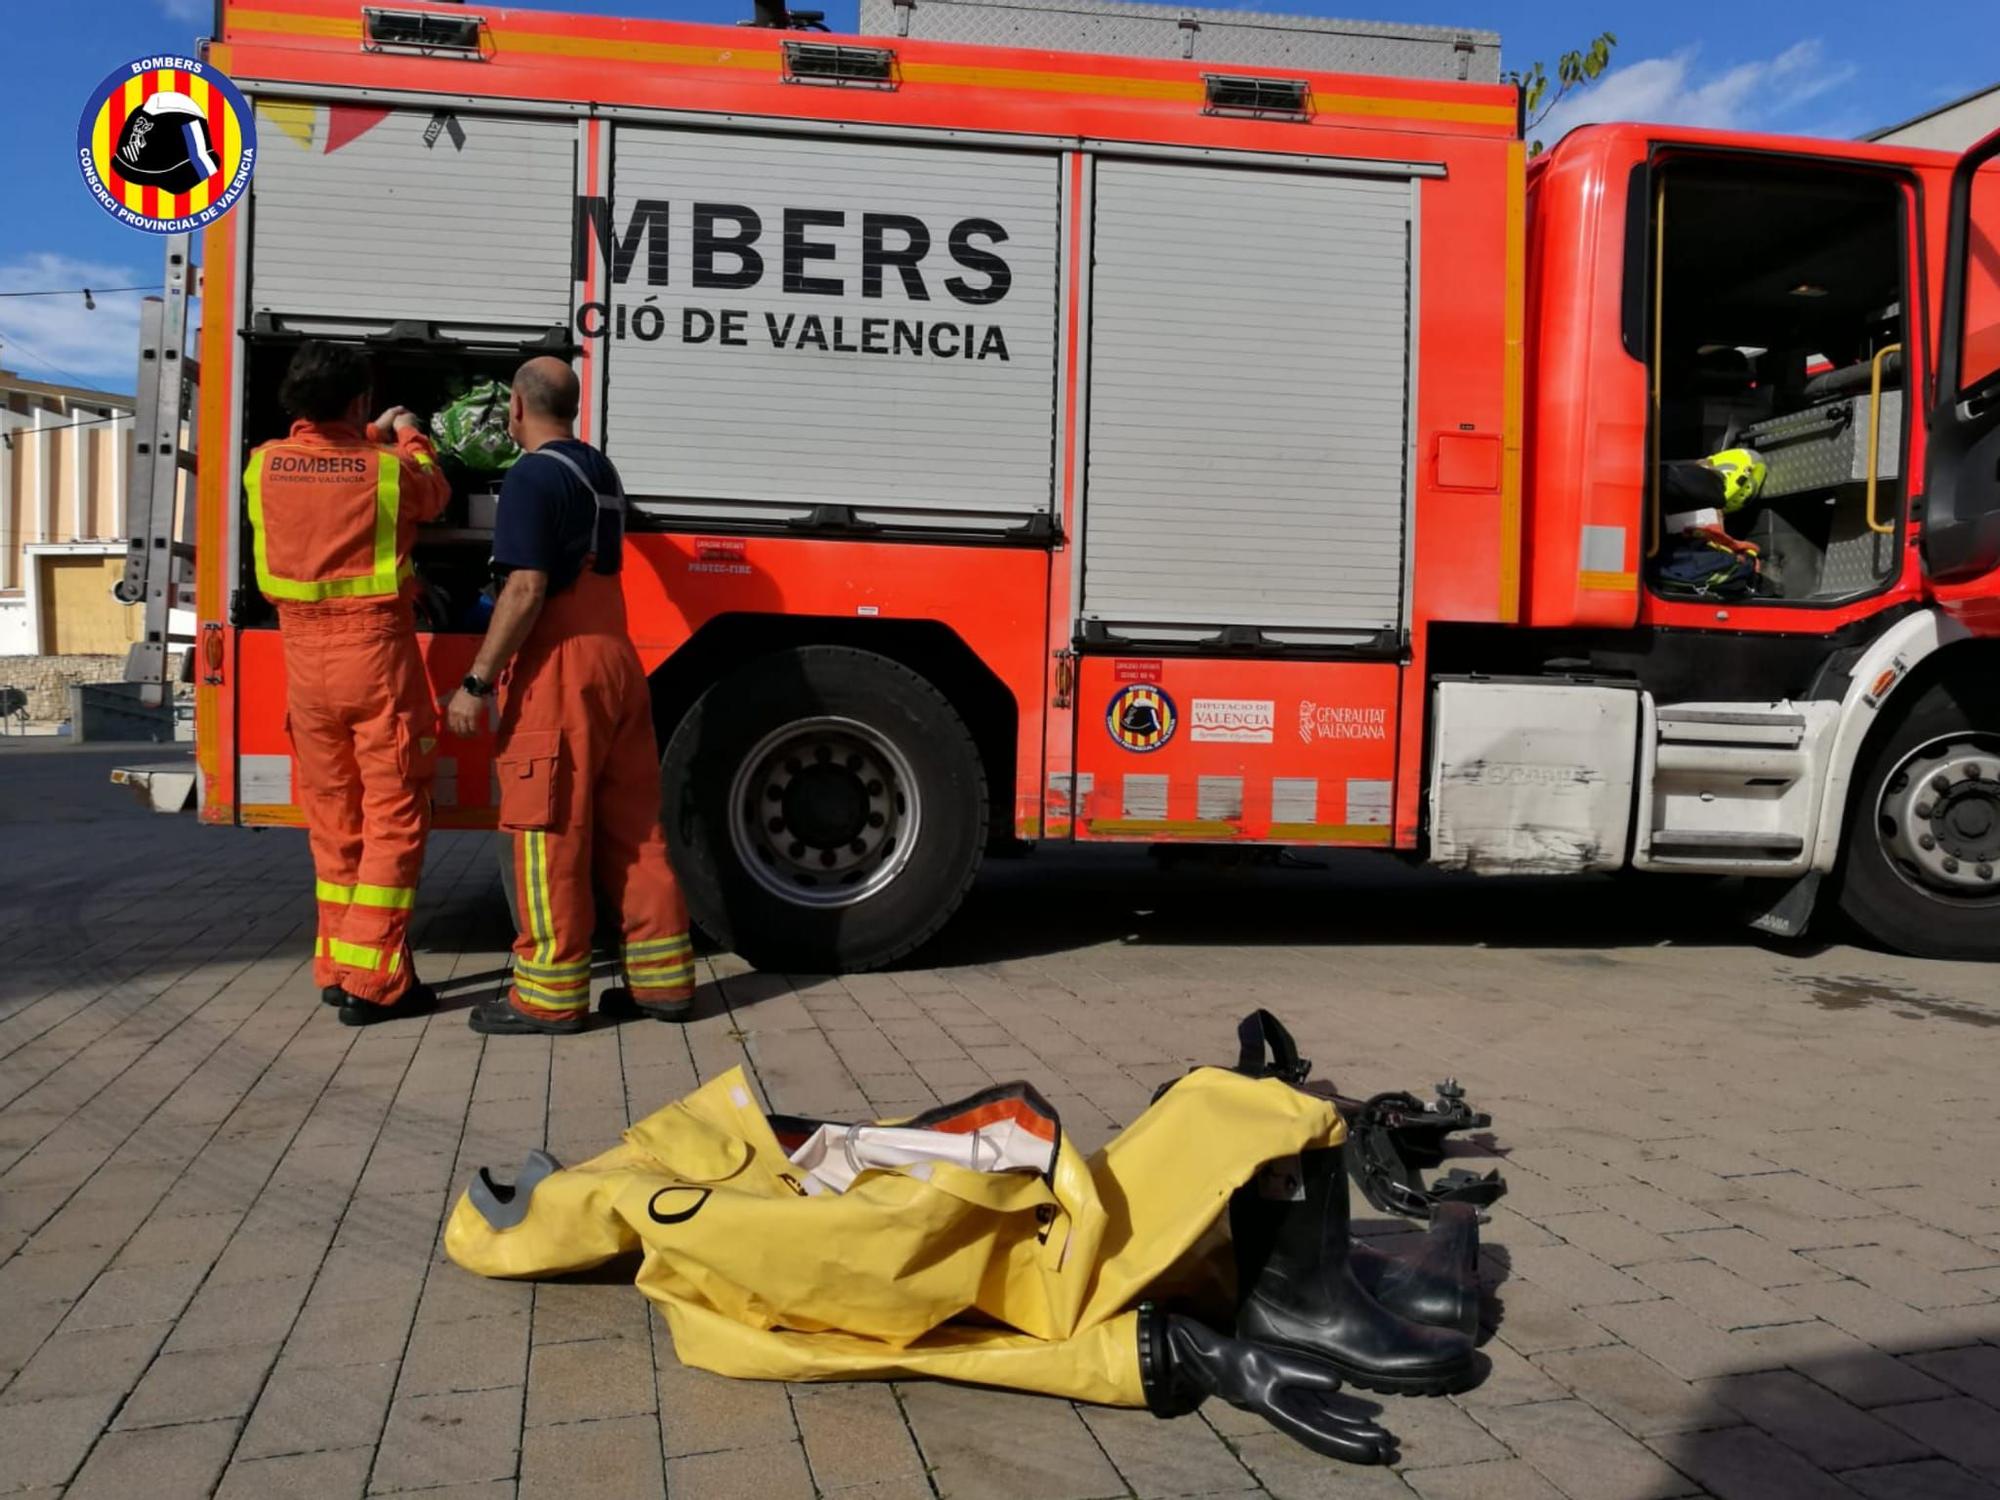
<point>326,383</point>
<point>545,401</point>
<point>165,144</point>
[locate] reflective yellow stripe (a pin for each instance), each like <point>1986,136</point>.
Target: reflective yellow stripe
<point>657,945</point>
<point>391,897</point>
<point>355,956</point>
<point>659,979</point>
<point>338,895</point>
<point>546,996</point>
<point>385,578</point>
<point>553,987</point>
<point>557,974</point>
<point>388,500</point>
<point>538,898</point>
<point>253,486</point>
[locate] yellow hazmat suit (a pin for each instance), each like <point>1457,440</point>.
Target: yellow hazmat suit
<point>1024,1279</point>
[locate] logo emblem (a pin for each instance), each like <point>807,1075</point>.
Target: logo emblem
<point>1142,717</point>
<point>1237,721</point>
<point>166,144</point>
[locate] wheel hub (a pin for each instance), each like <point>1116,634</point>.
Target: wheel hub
<point>1940,815</point>
<point>825,805</point>
<point>826,811</point>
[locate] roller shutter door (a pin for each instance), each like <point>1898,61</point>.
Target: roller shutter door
<point>812,381</point>
<point>1249,363</point>
<point>378,216</point>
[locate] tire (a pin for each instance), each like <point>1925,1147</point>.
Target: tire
<point>826,808</point>
<point>1896,891</point>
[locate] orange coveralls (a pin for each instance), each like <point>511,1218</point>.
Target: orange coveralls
<point>334,512</point>
<point>578,775</point>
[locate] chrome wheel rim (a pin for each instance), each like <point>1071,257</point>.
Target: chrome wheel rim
<point>1939,816</point>
<point>824,812</point>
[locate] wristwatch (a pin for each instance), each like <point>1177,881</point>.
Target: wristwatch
<point>473,685</point>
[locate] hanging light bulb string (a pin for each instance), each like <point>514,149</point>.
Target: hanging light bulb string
<point>89,294</point>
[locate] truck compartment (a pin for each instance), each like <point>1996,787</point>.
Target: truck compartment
<point>414,367</point>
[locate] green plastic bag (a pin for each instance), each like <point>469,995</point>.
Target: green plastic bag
<point>472,429</point>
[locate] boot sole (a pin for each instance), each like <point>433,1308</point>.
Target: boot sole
<point>1451,1381</point>
<point>526,1028</point>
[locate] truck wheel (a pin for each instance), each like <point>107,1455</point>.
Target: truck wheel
<point>826,808</point>
<point>1921,857</point>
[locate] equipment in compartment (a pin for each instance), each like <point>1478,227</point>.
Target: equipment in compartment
<point>414,366</point>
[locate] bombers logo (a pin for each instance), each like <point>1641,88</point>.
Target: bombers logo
<point>166,144</point>
<point>1142,717</point>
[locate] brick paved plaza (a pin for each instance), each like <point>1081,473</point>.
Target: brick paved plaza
<point>1751,1248</point>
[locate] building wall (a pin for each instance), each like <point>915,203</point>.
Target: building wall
<point>47,680</point>
<point>1953,128</point>
<point>63,471</point>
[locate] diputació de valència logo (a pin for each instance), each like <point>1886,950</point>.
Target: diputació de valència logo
<point>166,144</point>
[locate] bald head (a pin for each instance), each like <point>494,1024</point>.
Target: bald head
<point>548,390</point>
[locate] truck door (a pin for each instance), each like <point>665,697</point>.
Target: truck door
<point>1962,475</point>
<point>1245,503</point>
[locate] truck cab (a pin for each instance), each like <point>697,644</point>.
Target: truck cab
<point>1833,307</point>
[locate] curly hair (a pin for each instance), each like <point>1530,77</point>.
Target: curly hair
<point>323,379</point>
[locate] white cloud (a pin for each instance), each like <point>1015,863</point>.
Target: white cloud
<point>1678,90</point>
<point>188,10</point>
<point>58,338</point>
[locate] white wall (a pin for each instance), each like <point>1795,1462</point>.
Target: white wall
<point>17,627</point>
<point>1953,128</point>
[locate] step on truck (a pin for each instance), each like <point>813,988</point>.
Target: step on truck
<point>1042,447</point>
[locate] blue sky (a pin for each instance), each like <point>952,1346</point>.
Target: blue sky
<point>1828,67</point>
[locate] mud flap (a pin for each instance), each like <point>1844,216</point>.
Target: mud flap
<point>1790,914</point>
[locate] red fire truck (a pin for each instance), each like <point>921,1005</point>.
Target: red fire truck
<point>1040,447</point>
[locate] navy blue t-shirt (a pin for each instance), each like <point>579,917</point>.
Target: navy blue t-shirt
<point>548,522</point>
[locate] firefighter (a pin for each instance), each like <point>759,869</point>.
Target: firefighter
<point>334,507</point>
<point>575,763</point>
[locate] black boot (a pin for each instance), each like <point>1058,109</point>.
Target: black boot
<point>1182,1362</point>
<point>1306,1297</point>
<point>1431,1279</point>
<point>1434,1281</point>
<point>333,994</point>
<point>417,1000</point>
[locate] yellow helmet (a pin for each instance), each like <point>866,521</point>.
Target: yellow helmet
<point>1743,471</point>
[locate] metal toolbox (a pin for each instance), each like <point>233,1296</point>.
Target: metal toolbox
<point>1827,445</point>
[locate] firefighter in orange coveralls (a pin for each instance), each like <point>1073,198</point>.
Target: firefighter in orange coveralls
<point>576,767</point>
<point>334,509</point>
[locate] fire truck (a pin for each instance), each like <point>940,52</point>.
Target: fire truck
<point>1028,447</point>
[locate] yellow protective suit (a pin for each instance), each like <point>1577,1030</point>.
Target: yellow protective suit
<point>1010,1279</point>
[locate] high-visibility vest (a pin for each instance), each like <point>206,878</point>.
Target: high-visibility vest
<point>324,522</point>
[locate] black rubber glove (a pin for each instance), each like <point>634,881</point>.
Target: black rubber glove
<point>1182,1361</point>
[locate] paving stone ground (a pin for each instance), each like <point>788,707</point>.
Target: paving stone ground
<point>1752,1247</point>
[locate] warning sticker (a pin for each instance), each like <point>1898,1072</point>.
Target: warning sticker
<point>1133,669</point>
<point>1238,721</point>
